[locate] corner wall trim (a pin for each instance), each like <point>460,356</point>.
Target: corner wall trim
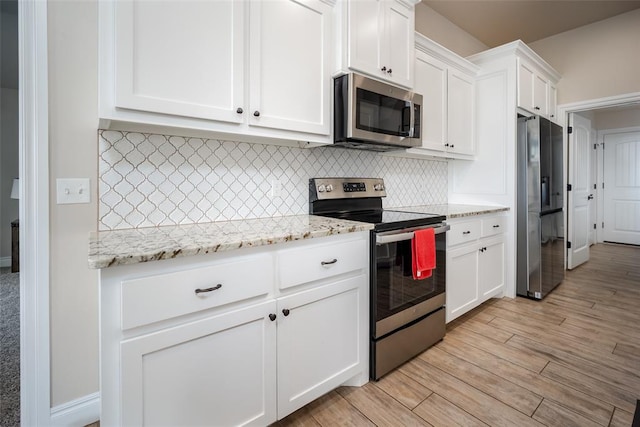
<point>79,412</point>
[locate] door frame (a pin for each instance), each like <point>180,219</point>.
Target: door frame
<point>563,120</point>
<point>35,376</point>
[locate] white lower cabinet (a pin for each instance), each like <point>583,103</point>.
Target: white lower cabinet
<point>219,370</point>
<point>223,361</point>
<point>318,341</point>
<point>475,263</point>
<point>462,280</point>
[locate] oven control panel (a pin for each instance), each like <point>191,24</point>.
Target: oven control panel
<point>345,188</point>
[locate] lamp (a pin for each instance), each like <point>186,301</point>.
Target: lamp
<point>15,189</point>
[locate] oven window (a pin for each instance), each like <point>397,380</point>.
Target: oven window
<point>395,288</point>
<point>382,114</point>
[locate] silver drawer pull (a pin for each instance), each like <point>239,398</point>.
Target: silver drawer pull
<point>333,261</point>
<point>200,291</point>
<point>466,232</point>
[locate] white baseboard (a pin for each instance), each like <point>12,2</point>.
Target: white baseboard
<point>77,413</point>
<point>5,261</point>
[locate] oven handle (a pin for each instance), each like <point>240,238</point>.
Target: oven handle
<point>384,238</point>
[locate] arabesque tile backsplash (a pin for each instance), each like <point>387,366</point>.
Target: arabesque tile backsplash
<point>149,180</point>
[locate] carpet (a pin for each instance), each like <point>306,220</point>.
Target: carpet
<point>10,349</point>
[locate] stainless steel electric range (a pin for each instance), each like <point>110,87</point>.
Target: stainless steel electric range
<point>407,315</point>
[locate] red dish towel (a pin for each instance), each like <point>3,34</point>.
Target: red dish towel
<point>423,253</point>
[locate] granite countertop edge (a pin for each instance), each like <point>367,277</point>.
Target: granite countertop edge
<point>133,246</point>
<point>452,210</point>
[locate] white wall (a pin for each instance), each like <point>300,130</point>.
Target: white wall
<point>73,153</point>
<point>441,30</point>
<point>597,60</point>
<point>616,119</point>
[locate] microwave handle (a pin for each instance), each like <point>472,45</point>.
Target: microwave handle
<point>412,120</point>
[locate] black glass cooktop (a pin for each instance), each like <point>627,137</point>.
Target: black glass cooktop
<point>389,219</point>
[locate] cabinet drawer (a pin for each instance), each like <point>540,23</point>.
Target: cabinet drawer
<point>154,298</point>
<point>462,232</point>
<point>492,226</point>
<point>301,265</point>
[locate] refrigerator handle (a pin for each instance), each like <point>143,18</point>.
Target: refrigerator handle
<point>545,196</point>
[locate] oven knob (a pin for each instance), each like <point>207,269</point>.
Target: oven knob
<point>321,188</point>
<point>329,188</point>
<point>378,187</point>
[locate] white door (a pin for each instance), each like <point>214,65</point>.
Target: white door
<point>580,194</point>
<point>622,188</point>
<point>290,65</point>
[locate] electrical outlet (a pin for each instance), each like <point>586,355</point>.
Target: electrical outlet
<point>72,190</point>
<point>276,188</point>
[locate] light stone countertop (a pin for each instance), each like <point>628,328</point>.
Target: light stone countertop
<point>132,246</point>
<point>453,210</point>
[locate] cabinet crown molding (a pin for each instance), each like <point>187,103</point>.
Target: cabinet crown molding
<point>520,49</point>
<point>445,55</point>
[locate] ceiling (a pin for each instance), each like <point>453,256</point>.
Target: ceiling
<point>495,22</point>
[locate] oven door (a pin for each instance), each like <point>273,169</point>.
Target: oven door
<point>396,298</point>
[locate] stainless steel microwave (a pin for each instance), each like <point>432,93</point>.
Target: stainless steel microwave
<point>376,116</point>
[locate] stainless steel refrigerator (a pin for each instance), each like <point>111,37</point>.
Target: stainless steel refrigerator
<point>540,216</point>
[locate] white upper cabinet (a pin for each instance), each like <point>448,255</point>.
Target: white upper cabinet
<point>447,85</point>
<point>289,73</point>
<point>536,89</point>
<point>460,113</point>
<point>182,59</point>
<point>251,69</point>
<point>379,39</point>
<point>431,83</point>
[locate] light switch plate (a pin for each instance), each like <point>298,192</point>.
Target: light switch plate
<point>72,190</point>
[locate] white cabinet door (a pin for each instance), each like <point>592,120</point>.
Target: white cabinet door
<point>399,42</point>
<point>491,268</point>
<point>525,85</point>
<point>380,39</point>
<point>540,95</point>
<point>553,102</point>
<point>462,280</point>
<point>290,65</point>
<point>182,58</point>
<point>460,113</point>
<point>318,341</point>
<point>431,83</point>
<point>365,36</point>
<point>216,371</point>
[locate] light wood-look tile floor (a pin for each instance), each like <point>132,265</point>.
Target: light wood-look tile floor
<point>572,359</point>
